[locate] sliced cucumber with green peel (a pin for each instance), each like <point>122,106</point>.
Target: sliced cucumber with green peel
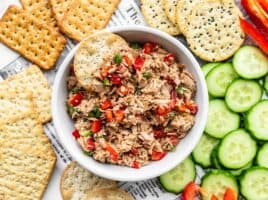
<point>242,94</point>
<point>221,120</point>
<point>250,62</point>
<point>219,78</point>
<point>254,183</point>
<point>266,83</point>
<point>206,68</point>
<point>257,120</point>
<point>202,152</point>
<point>238,172</point>
<point>176,179</point>
<point>237,149</point>
<point>216,182</point>
<point>214,159</point>
<point>262,157</point>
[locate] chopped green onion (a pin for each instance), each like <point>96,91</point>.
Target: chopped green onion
<point>118,58</point>
<point>146,74</point>
<point>135,45</point>
<point>95,112</point>
<point>71,109</point>
<point>75,90</point>
<point>88,153</point>
<point>180,89</point>
<point>106,82</point>
<point>86,133</point>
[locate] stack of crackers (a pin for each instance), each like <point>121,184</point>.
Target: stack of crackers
<point>27,158</point>
<point>211,27</point>
<point>36,30</point>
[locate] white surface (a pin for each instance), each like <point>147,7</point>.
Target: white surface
<point>64,124</point>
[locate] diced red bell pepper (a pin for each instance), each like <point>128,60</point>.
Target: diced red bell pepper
<point>182,108</point>
<point>119,115</point>
<point>162,110</point>
<point>127,60</point>
<point>76,134</point>
<point>174,140</point>
<point>149,47</point>
<point>116,79</point>
<point>96,126</point>
<point>109,115</point>
<point>123,90</point>
<point>190,191</point>
<point>169,57</point>
<point>105,104</point>
<point>134,151</point>
<point>158,155</point>
<point>112,151</point>
<point>159,133</point>
<point>139,61</point>
<point>256,12</point>
<point>192,107</point>
<point>90,144</point>
<point>76,99</point>
<point>105,71</point>
<point>136,164</point>
<point>230,194</point>
<point>173,97</point>
<point>264,4</point>
<point>255,35</point>
<point>213,197</point>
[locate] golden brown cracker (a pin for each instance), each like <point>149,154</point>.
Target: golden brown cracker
<point>35,41</point>
<point>59,8</point>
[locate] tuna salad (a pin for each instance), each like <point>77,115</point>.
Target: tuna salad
<point>141,105</point>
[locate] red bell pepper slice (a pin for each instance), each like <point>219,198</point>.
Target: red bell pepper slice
<point>90,144</point>
<point>108,115</point>
<point>213,197</point>
<point>112,151</point>
<point>162,110</point>
<point>190,191</point>
<point>255,35</point>
<point>159,133</point>
<point>136,164</point>
<point>76,134</point>
<point>116,79</point>
<point>119,115</point>
<point>169,57</point>
<point>149,47</point>
<point>96,126</point>
<point>139,61</point>
<point>192,107</point>
<point>158,155</point>
<point>127,60</point>
<point>76,99</point>
<point>105,104</point>
<point>264,4</point>
<point>229,194</point>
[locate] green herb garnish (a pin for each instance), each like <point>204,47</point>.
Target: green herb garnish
<point>180,90</point>
<point>88,153</point>
<point>106,82</point>
<point>71,109</point>
<point>118,58</point>
<point>147,74</point>
<point>86,133</point>
<point>75,90</point>
<point>135,45</point>
<point>95,112</point>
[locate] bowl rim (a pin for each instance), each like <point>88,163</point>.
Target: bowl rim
<point>141,176</point>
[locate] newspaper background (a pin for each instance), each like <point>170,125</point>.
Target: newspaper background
<point>127,13</point>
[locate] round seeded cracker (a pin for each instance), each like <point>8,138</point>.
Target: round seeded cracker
<point>91,55</point>
<point>213,30</point>
<point>109,194</point>
<point>155,16</point>
<point>170,9</point>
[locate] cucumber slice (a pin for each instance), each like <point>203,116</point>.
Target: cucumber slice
<point>176,179</point>
<point>206,68</point>
<point>219,78</point>
<point>238,172</point>
<point>221,120</point>
<point>262,157</point>
<point>242,94</point>
<point>257,121</point>
<point>266,84</point>
<point>203,150</point>
<point>250,63</point>
<point>253,183</point>
<point>237,149</point>
<point>214,159</point>
<point>216,182</point>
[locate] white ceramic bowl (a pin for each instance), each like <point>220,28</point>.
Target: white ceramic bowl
<point>64,125</point>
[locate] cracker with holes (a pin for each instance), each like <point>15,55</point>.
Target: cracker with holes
<point>59,8</point>
<point>155,16</point>
<point>85,16</point>
<point>109,194</point>
<point>32,79</point>
<point>170,9</point>
<point>41,10</point>
<point>39,43</point>
<point>213,30</point>
<point>27,159</point>
<point>76,182</point>
<point>91,54</point>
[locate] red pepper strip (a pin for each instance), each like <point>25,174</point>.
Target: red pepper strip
<point>112,151</point>
<point>109,115</point>
<point>169,57</point>
<point>127,60</point>
<point>190,191</point>
<point>182,108</point>
<point>76,134</point>
<point>159,133</point>
<point>149,47</point>
<point>105,104</point>
<point>264,4</point>
<point>116,79</point>
<point>96,126</point>
<point>255,35</point>
<point>229,194</point>
<point>139,61</point>
<point>136,164</point>
<point>76,99</point>
<point>90,144</point>
<point>158,155</point>
<point>119,115</point>
<point>213,197</point>
<point>192,107</point>
<point>162,110</point>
